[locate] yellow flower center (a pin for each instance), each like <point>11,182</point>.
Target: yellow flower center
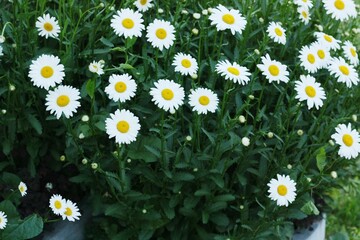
<point>167,94</point>
<point>304,14</point>
<point>328,38</point>
<point>228,18</point>
<point>344,70</point>
<point>21,189</point>
<point>274,70</point>
<point>47,71</point>
<point>143,2</point>
<point>353,52</point>
<point>120,87</point>
<point>234,71</point>
<point>123,126</point>
<point>186,63</point>
<point>321,54</point>
<point>204,100</point>
<point>311,58</point>
<point>128,23</point>
<point>48,27</point>
<point>0,220</point>
<point>62,100</point>
<point>282,190</point>
<point>68,212</point>
<point>57,204</point>
<point>310,91</point>
<point>304,1</point>
<point>161,33</point>
<point>278,32</point>
<point>339,4</point>
<point>348,140</point>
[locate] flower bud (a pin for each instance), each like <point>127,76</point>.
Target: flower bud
<point>242,119</point>
<point>85,118</point>
<point>196,15</point>
<point>94,166</point>
<point>195,31</point>
<point>245,141</point>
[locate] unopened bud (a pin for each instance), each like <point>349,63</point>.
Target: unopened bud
<point>245,141</point>
<point>94,166</point>
<point>196,15</point>
<point>195,31</point>
<point>270,134</point>
<point>242,119</point>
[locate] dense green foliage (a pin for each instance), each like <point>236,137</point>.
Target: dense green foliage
<point>163,185</point>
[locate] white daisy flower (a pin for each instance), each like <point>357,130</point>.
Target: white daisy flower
<point>233,72</point>
<point>348,139</point>
<point>121,87</point>
<point>185,64</point>
<point>203,100</point>
<point>276,32</point>
<point>322,53</point>
<point>97,67</point>
<point>340,9</point>
<point>22,188</point>
<point>273,70</point>
<point>350,53</point>
<point>167,95</point>
<point>143,5</point>
<point>309,59</point>
<point>327,40</point>
<point>123,125</point>
<point>57,204</point>
<point>343,72</point>
<point>71,211</point>
<point>160,34</point>
<point>127,23</point>
<point>63,100</point>
<point>46,71</point>
<point>48,26</point>
<point>304,14</point>
<point>224,19</point>
<point>310,91</point>
<point>3,220</point>
<point>282,190</point>
<point>304,3</point>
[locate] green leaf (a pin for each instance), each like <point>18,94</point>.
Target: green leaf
<point>310,208</point>
<point>106,42</point>
<point>220,219</point>
<point>35,123</point>
<point>340,236</point>
<point>224,198</point>
<point>28,228</point>
<point>90,88</point>
<point>209,135</point>
<point>11,179</point>
<point>321,159</point>
<point>183,176</point>
<point>126,66</point>
<point>9,209</point>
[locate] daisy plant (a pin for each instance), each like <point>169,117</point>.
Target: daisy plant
<point>176,119</point>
